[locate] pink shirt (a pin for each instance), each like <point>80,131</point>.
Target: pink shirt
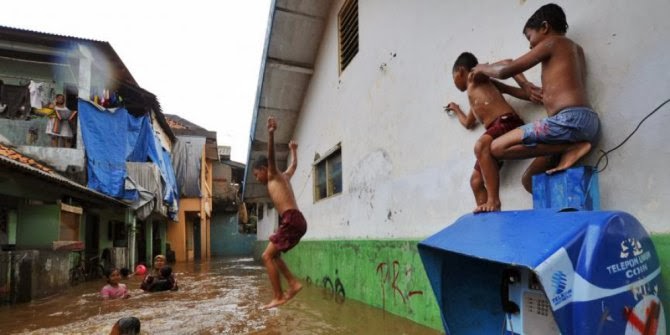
<point>111,292</point>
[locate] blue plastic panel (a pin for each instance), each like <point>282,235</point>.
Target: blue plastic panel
<point>576,187</point>
<point>598,269</point>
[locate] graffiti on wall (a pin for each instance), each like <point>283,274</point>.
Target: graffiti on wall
<point>389,277</point>
<point>332,290</point>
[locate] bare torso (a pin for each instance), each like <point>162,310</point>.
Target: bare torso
<point>281,193</point>
<point>564,76</point>
<point>486,101</point>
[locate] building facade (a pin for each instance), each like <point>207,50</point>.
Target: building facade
<point>34,68</point>
<point>194,153</point>
<point>381,165</point>
<point>232,233</point>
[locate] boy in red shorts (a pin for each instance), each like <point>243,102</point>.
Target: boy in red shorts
<point>292,226</point>
<point>487,106</point>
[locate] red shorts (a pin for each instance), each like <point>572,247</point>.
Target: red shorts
<point>291,228</point>
<point>501,125</point>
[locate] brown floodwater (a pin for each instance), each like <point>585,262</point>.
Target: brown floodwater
<point>218,297</point>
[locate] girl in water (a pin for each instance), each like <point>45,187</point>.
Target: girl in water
<point>114,288</point>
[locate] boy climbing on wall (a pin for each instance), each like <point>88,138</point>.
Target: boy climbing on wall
<point>487,106</point>
<point>292,225</point>
<point>571,127</point>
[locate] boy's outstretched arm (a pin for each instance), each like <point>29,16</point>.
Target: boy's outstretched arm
<point>506,69</point>
<point>293,146</point>
<point>272,166</point>
<point>534,93</point>
<point>526,91</point>
<point>468,121</point>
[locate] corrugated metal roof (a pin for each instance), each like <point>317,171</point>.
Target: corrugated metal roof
<point>295,30</point>
<point>56,41</point>
<point>183,127</point>
<point>30,31</point>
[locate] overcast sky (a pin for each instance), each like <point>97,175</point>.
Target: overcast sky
<point>201,58</point>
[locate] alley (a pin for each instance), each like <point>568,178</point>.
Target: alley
<point>218,297</point>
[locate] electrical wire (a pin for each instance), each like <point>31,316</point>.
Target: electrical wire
<point>605,153</point>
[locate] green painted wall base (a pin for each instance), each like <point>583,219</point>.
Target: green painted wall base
<point>385,274</point>
<point>390,275</point>
<point>662,245</point>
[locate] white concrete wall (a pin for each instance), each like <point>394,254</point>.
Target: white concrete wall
<point>406,164</point>
<point>268,225</point>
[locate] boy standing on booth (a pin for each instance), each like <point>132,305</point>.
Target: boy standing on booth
<point>487,106</point>
<point>572,127</point>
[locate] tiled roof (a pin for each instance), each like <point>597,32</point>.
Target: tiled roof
<point>20,162</point>
<point>174,124</point>
<point>21,158</point>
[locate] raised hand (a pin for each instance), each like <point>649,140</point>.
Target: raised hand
<point>293,145</point>
<point>272,124</point>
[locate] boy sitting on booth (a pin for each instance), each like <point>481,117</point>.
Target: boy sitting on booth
<point>572,127</point>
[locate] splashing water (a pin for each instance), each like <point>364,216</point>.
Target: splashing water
<point>219,297</point>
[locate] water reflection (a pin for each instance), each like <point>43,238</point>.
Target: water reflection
<point>218,297</point>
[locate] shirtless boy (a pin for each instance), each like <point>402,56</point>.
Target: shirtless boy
<point>571,127</point>
<point>488,107</point>
<point>292,226</point>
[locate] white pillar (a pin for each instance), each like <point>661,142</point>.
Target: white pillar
<point>131,224</point>
<point>85,64</point>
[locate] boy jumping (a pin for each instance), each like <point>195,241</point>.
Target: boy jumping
<point>292,226</point>
<point>487,106</point>
<point>571,127</point>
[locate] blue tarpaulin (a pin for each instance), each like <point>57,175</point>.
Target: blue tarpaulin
<point>114,137</point>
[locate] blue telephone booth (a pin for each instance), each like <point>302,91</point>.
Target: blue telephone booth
<point>546,271</point>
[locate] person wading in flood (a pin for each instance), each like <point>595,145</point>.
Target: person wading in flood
<point>292,226</point>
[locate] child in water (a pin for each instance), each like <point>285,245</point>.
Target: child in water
<point>126,326</point>
<point>114,288</point>
<point>164,282</point>
<point>161,277</point>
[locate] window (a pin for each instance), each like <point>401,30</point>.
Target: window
<point>348,32</point>
<point>328,175</point>
<point>70,217</point>
<point>119,233</point>
<point>69,226</point>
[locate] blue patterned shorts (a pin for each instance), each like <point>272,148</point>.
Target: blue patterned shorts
<point>574,124</point>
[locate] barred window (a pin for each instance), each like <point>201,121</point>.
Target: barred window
<point>348,32</point>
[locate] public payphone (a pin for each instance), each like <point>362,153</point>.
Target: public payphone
<point>546,272</point>
<point>526,307</point>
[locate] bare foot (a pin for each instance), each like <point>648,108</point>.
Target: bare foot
<point>274,303</point>
<point>571,156</point>
<point>489,206</point>
<point>295,288</point>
